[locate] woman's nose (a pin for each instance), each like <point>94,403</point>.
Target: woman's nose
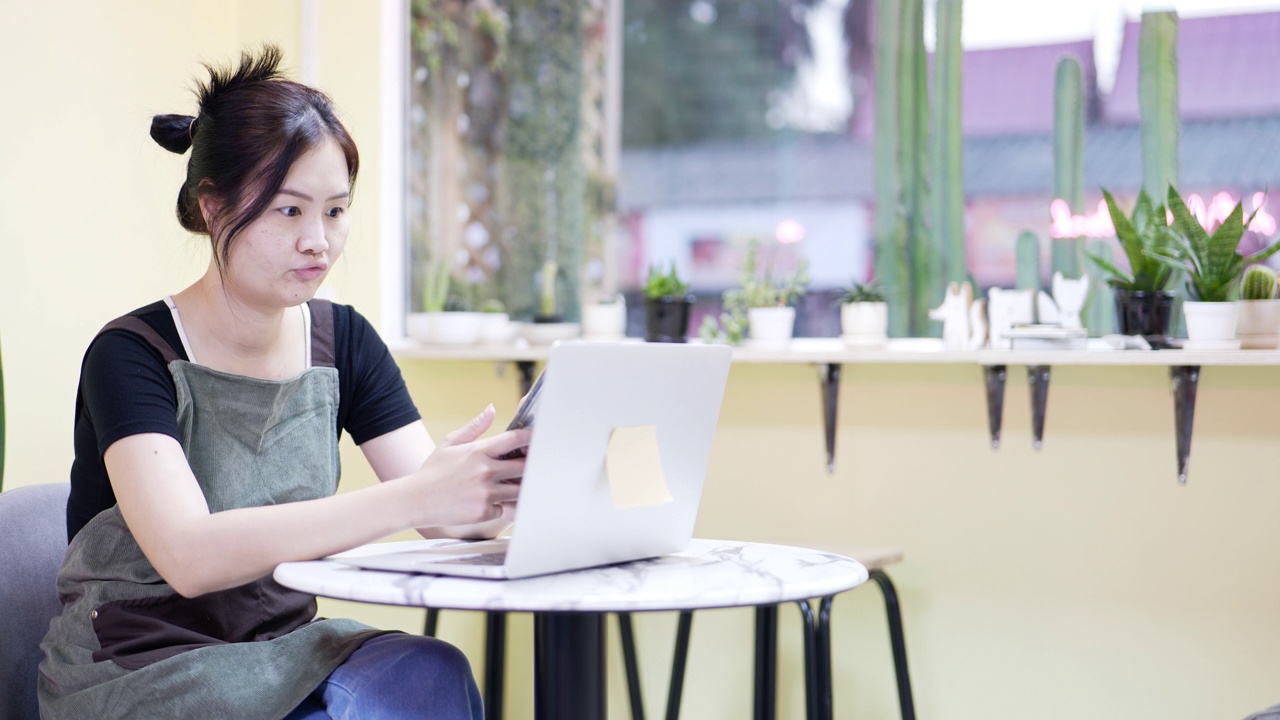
<point>312,239</point>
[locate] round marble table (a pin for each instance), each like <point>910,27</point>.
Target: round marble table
<point>570,606</point>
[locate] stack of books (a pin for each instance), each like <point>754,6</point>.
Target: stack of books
<point>1047,337</point>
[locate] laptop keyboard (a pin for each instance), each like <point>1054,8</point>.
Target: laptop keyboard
<point>480,559</point>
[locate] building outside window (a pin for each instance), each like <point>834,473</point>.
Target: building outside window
<point>610,136</point>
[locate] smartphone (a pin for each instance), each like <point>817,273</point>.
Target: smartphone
<point>524,415</point>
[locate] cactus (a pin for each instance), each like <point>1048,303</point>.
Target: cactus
<point>1028,254</point>
<point>891,268</point>
<point>948,262</point>
<point>435,287</point>
<point>901,146</point>
<point>911,263</point>
<point>1099,314</point>
<point>1258,283</point>
<point>1158,101</point>
<point>1068,158</point>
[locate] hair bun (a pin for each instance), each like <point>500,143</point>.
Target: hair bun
<point>172,132</point>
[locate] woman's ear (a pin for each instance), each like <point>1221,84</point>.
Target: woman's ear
<point>209,202</point>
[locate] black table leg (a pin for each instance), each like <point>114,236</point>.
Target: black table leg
<point>681,654</point>
<point>569,666</point>
<point>766,702</point>
<point>632,667</point>
<point>495,660</point>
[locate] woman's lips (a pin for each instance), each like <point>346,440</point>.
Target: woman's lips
<point>312,272</point>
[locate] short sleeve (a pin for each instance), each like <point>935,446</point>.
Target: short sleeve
<point>375,399</point>
<point>127,390</point>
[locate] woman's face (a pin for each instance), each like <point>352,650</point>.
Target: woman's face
<point>280,259</point>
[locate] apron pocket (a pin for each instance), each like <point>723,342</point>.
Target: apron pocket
<point>138,632</point>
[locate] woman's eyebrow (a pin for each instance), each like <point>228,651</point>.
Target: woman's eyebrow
<point>308,198</point>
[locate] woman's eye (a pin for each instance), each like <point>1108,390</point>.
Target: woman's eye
<point>291,211</point>
<point>336,212</point>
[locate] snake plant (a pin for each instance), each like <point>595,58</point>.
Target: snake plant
<point>1213,263</point>
<point>1143,237</point>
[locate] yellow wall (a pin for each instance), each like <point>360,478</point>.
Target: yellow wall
<point>1079,581</point>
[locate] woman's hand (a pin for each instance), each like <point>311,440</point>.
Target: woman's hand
<point>463,483</point>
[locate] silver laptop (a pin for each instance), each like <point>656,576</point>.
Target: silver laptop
<point>615,466</point>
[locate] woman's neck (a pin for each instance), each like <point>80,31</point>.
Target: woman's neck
<point>230,335</point>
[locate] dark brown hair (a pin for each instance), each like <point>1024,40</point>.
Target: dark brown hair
<point>251,126</point>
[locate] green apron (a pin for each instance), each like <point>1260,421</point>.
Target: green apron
<point>126,645</point>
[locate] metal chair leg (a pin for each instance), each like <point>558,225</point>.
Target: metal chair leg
<point>433,622</point>
<point>898,641</point>
<point>817,659</point>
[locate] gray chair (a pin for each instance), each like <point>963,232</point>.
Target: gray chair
<point>33,538</point>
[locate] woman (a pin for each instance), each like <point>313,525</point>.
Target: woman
<point>206,441</point>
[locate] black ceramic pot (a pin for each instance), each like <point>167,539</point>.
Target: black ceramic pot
<point>1145,313</point>
<point>666,319</point>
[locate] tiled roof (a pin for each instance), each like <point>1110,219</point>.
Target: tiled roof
<point>1240,153</point>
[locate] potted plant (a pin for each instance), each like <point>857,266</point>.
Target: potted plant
<point>1144,304</point>
<point>548,312</point>
<point>760,305</point>
<point>1259,308</point>
<point>495,323</point>
<point>864,315</point>
<point>1213,265</point>
<point>548,322</point>
<point>458,324</point>
<point>605,319</point>
<point>666,306</point>
<point>435,293</point>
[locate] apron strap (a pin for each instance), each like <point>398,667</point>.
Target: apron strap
<point>139,327</point>
<point>322,344</point>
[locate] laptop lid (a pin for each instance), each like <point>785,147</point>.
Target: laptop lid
<point>616,463</point>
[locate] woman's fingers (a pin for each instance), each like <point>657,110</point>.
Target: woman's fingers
<point>473,429</point>
<point>505,442</point>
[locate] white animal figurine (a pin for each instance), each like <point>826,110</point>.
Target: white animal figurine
<point>1047,310</point>
<point>978,324</point>
<point>1006,308</point>
<point>954,314</point>
<point>1069,296</point>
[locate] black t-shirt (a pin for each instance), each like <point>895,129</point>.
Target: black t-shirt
<point>126,389</point>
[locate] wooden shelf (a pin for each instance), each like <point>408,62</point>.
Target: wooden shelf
<point>830,354</point>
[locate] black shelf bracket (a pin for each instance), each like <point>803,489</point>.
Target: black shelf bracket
<point>995,376</point>
<point>1038,379</point>
<point>1185,379</point>
<point>829,375</point>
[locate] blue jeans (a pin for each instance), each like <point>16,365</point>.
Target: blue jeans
<point>397,676</point>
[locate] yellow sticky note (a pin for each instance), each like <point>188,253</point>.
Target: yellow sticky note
<point>633,464</point>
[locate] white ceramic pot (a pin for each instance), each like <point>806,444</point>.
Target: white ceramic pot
<point>771,327</point>
<point>548,333</point>
<point>864,323</point>
<point>1211,325</point>
<point>604,321</point>
<point>496,329</point>
<point>456,328</point>
<point>418,326</point>
<point>1259,324</point>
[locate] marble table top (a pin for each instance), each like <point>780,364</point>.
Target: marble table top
<point>709,574</point>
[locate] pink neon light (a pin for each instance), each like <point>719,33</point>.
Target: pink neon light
<point>1098,224</point>
<point>789,231</point>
